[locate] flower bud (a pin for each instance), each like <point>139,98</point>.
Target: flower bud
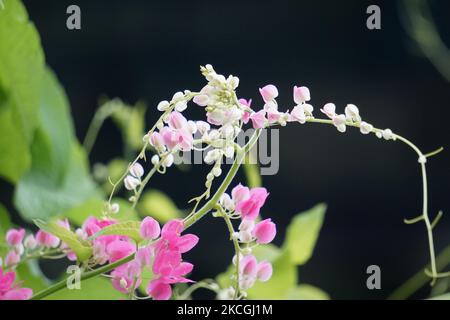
<point>201,100</point>
<point>163,105</point>
<point>264,271</point>
<point>15,236</point>
<point>137,170</point>
<point>149,229</point>
<point>265,231</point>
<point>268,92</point>
<point>131,182</point>
<point>301,95</point>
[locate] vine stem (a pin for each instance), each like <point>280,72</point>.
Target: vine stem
<point>424,216</point>
<point>240,155</point>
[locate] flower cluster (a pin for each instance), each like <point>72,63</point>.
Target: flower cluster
<point>245,204</point>
<point>162,256</point>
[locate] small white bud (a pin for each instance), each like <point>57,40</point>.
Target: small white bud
<point>379,134</point>
<point>209,177</point>
<point>247,250</point>
<point>216,171</point>
<point>181,106</point>
<point>163,105</point>
<point>114,208</point>
<point>155,159</point>
<point>137,170</point>
<point>178,95</point>
<point>422,159</point>
<point>227,202</point>
<point>168,161</point>
<point>366,128</point>
<point>19,249</point>
<point>229,151</point>
<point>387,134</point>
<point>192,126</point>
<point>131,182</point>
<point>212,156</point>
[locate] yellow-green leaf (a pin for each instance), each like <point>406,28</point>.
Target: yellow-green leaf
<point>302,234</point>
<point>158,205</point>
<point>82,249</point>
<point>307,292</point>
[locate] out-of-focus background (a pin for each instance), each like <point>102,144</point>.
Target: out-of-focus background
<point>147,50</point>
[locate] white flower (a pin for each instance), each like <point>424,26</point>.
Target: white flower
<point>229,151</point>
<point>379,134</point>
<point>387,134</point>
<point>298,114</point>
<point>233,82</point>
<point>114,208</point>
<point>339,122</point>
<point>213,155</point>
<point>192,126</point>
<point>352,113</point>
<point>131,182</point>
<point>163,105</point>
<point>308,109</point>
<point>155,160</point>
<point>247,225</point>
<point>168,161</point>
<point>245,236</point>
<point>202,126</point>
<point>365,128</point>
<point>201,100</point>
<point>181,106</point>
<point>178,95</point>
<point>137,170</point>
<point>329,109</point>
<point>227,202</point>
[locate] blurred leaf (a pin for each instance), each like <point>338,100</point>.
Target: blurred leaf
<point>59,179</point>
<point>82,249</point>
<point>251,171</point>
<point>445,296</point>
<point>115,170</point>
<point>31,275</point>
<point>158,205</point>
<point>307,292</point>
<point>21,70</point>
<point>131,122</point>
<point>127,228</point>
<point>94,207</point>
<point>91,289</point>
<point>302,234</point>
<point>284,277</point>
<point>5,224</point>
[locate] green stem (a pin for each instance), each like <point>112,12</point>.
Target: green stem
<point>86,275</point>
<point>240,155</point>
<point>425,217</point>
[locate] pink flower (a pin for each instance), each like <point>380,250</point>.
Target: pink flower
<point>246,117</point>
<point>156,140</point>
<point>150,228</point>
<point>159,290</point>
<point>301,95</point>
<point>15,236</point>
<point>249,209</point>
<point>248,266</point>
<point>12,258</point>
<point>268,92</point>
<point>258,119</point>
<point>264,271</point>
<point>240,193</point>
<point>127,277</point>
<point>169,137</point>
<point>184,139</point>
<point>93,225</point>
<point>119,249</point>
<point>273,115</point>
<point>245,102</point>
<point>265,231</point>
<point>46,239</point>
<point>201,100</point>
<point>177,120</point>
<point>10,292</point>
<point>144,256</point>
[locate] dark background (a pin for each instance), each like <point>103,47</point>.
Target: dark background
<point>150,49</point>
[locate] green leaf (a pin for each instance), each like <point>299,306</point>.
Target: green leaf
<point>158,205</point>
<point>284,275</point>
<point>82,249</point>
<point>307,292</point>
<point>127,228</point>
<point>5,224</point>
<point>445,296</point>
<point>131,122</point>
<point>252,173</point>
<point>91,289</point>
<point>21,70</point>
<point>302,234</point>
<point>31,275</point>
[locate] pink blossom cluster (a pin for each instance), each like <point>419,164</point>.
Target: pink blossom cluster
<point>11,291</point>
<point>162,256</point>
